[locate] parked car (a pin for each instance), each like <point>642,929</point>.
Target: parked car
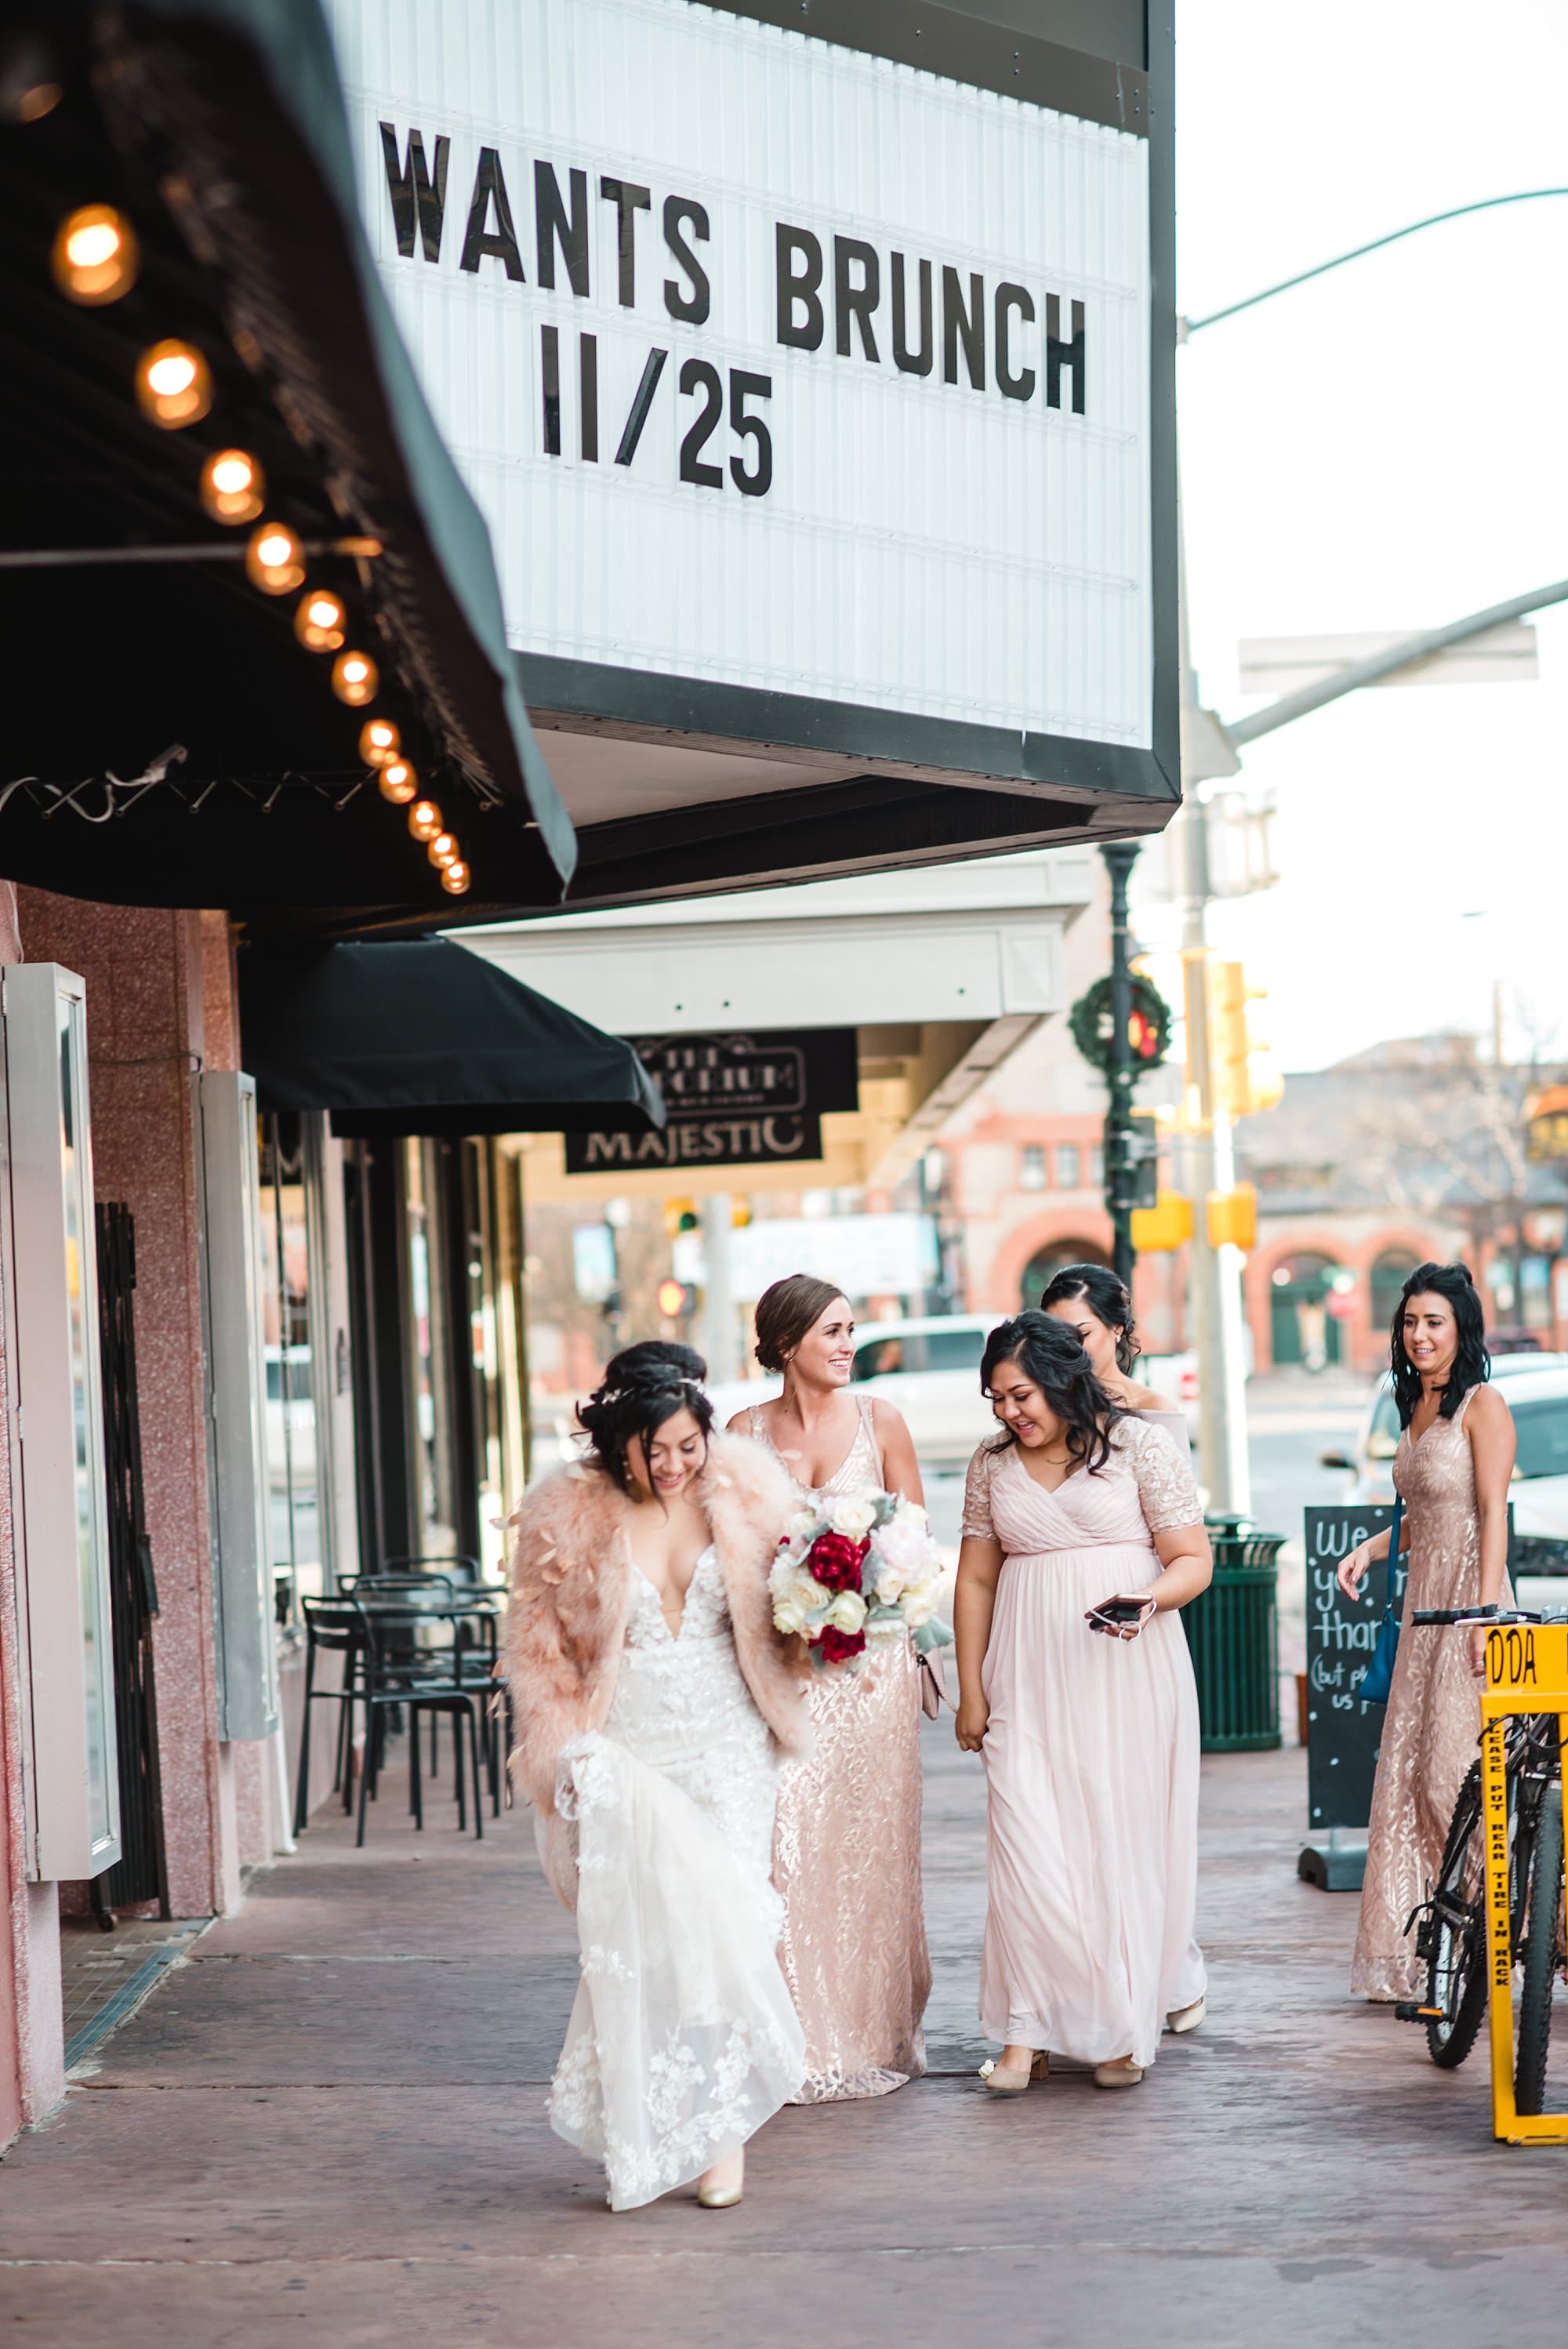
<point>1536,1386</point>
<point>930,1368</point>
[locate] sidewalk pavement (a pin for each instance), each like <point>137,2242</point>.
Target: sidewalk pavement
<point>327,2128</point>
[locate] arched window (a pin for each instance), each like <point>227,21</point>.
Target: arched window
<point>1301,1328</point>
<point>1046,1262</point>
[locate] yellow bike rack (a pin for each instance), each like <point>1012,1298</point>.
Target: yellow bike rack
<point>1526,1671</point>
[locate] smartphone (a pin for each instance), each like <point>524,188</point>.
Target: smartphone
<point>1116,1614</point>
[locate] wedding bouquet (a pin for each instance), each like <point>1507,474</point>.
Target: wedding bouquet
<point>856,1568</point>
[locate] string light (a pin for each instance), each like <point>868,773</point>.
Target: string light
<point>274,559</point>
<point>424,820</point>
<point>234,487</point>
<point>455,878</point>
<point>320,622</point>
<point>355,678</point>
<point>443,851</point>
<point>173,384</point>
<point>96,257</point>
<point>399,783</point>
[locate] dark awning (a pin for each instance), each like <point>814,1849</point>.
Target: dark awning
<point>423,1037</point>
<point>217,128</point>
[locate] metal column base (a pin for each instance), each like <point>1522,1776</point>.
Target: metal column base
<point>1337,1864</point>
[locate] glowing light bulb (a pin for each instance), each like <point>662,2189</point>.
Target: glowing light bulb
<point>234,487</point>
<point>355,678</point>
<point>399,783</point>
<point>443,850</point>
<point>96,257</point>
<point>424,820</point>
<point>321,623</point>
<point>380,741</point>
<point>455,878</point>
<point>173,384</point>
<point>274,559</point>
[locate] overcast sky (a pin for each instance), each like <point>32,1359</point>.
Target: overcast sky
<point>1385,448</point>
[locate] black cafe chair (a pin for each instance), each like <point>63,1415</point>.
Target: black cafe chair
<point>383,1671</point>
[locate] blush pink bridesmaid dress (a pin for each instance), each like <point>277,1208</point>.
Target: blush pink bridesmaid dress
<point>1092,1759</point>
<point>846,1851</point>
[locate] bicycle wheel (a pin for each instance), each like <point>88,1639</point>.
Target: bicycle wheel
<point>1543,1955</point>
<point>1453,1935</point>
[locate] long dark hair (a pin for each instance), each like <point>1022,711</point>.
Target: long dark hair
<point>1049,1353</point>
<point>643,1386</point>
<point>1108,1300</point>
<point>1472,1363</point>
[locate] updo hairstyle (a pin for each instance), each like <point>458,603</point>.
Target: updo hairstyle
<point>1107,1300</point>
<point>643,1386</point>
<point>786,1311</point>
<point>1052,1356</point>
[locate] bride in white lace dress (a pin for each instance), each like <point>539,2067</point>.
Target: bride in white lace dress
<point>655,1698</point>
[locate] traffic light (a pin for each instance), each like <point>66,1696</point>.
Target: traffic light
<point>674,1299</point>
<point>1131,1161</point>
<point>1168,1224</point>
<point>680,1215</point>
<point>1246,1079</point>
<point>1232,1217</point>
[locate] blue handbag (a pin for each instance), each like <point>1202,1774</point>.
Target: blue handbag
<point>1378,1678</point>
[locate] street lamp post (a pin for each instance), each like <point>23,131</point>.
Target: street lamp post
<point>1121,1074</point>
<point>1208,752</point>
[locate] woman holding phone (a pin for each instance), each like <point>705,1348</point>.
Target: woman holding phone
<point>1082,1534</point>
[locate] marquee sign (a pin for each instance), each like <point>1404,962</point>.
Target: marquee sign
<point>732,1100</point>
<point>782,367</point>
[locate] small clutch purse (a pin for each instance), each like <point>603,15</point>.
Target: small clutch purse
<point>933,1683</point>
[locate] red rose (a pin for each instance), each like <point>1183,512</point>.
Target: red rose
<point>836,1647</point>
<point>834,1560</point>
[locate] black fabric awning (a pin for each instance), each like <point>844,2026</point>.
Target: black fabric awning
<point>423,1037</point>
<point>217,128</point>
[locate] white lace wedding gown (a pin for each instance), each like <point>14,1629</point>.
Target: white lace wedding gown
<point>683,2038</point>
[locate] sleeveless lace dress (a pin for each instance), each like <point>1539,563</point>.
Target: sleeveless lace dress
<point>683,2039</point>
<point>846,1854</point>
<point>1432,1722</point>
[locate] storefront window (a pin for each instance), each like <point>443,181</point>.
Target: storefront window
<point>98,1667</point>
<point>430,1354</point>
<point>295,1411</point>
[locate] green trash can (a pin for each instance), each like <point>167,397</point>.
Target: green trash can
<point>1232,1631</point>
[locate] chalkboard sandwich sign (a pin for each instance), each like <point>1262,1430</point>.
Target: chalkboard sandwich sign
<point>1343,1734</point>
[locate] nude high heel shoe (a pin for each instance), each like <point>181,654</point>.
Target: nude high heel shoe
<point>721,2188</point>
<point>1188,2018</point>
<point>1002,2080</point>
<point>1124,2074</point>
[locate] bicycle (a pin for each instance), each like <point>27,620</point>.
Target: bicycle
<point>1451,1935</point>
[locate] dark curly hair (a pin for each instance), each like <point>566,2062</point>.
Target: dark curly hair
<point>1049,1353</point>
<point>1472,1363</point>
<point>643,1386</point>
<point>1106,1299</point>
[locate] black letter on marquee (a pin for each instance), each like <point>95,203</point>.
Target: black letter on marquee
<point>794,286</point>
<point>414,200</point>
<point>1059,354</point>
<point>549,353</point>
<point>653,367</point>
<point>480,242</point>
<point>693,307</point>
<point>588,397</point>
<point>966,326</point>
<point>855,302</point>
<point>909,362</point>
<point>628,200</point>
<point>550,223</point>
<point>1022,385</point>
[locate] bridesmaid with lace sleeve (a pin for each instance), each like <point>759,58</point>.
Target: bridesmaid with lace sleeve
<point>846,1853</point>
<point>1080,1519</point>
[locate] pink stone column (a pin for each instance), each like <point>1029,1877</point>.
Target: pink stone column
<point>160,1004</point>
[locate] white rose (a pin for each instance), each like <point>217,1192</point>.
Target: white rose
<point>808,1593</point>
<point>919,1600</point>
<point>848,1612</point>
<point>803,1523</point>
<point>890,1583</point>
<point>789,1615</point>
<point>853,1518</point>
<point>910,1512</point>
